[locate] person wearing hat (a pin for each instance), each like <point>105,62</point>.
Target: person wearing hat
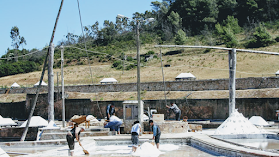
<point>71,136</point>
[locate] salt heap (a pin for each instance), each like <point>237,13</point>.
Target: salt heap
<point>236,123</point>
<point>147,150</point>
<point>35,122</point>
<point>3,153</point>
<point>6,121</point>
<point>258,120</point>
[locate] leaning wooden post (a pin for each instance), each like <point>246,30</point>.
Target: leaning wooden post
<point>232,70</point>
<point>51,85</point>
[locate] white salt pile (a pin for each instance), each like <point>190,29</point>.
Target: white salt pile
<point>91,118</point>
<point>147,150</point>
<point>35,121</point>
<point>236,123</point>
<point>3,153</point>
<point>258,120</point>
<point>6,121</point>
<point>51,125</point>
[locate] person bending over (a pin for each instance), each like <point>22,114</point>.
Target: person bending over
<point>175,110</point>
<point>156,132</point>
<point>71,136</point>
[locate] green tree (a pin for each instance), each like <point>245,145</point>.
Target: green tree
<point>247,11</point>
<point>233,24</point>
<point>175,21</point>
<point>261,38</point>
<point>180,38</point>
<point>196,13</point>
<point>226,35</point>
<point>226,8</point>
<point>17,40</point>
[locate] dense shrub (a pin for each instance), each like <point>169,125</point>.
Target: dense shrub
<point>261,38</point>
<point>17,68</point>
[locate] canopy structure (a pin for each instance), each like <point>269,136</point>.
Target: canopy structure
<point>36,121</point>
<point>43,83</point>
<point>108,80</point>
<point>185,76</point>
<point>14,85</point>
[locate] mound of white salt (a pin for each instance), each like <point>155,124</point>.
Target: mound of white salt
<point>147,150</point>
<point>236,123</point>
<point>258,120</point>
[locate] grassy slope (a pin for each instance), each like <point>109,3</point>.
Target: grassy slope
<point>211,65</point>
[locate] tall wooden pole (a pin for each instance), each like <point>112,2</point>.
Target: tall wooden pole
<point>232,69</point>
<point>140,105</point>
<point>57,86</point>
<point>51,84</point>
<point>62,84</point>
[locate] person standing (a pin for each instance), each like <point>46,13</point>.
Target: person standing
<point>71,136</point>
<point>110,110</point>
<point>135,131</point>
<point>156,132</point>
<point>176,110</point>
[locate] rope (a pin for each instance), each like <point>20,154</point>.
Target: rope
<point>84,40</point>
<point>31,53</point>
<point>163,78</point>
<point>88,56</point>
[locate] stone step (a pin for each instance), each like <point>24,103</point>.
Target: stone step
<point>90,129</point>
<point>62,135</point>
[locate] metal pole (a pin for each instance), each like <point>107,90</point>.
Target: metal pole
<point>51,85</point>
<point>140,105</point>
<point>62,84</point>
<point>232,68</point>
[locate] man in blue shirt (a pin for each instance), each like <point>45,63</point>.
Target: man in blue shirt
<point>156,132</point>
<point>110,110</point>
<point>114,123</point>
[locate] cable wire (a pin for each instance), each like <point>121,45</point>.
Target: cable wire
<point>87,55</point>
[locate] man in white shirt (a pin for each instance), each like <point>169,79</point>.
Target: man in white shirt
<point>135,131</point>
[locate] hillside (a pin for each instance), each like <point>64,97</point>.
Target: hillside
<point>210,65</point>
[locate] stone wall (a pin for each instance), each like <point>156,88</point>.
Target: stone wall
<point>192,108</point>
<point>198,85</point>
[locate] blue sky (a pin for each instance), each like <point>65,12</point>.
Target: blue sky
<point>35,18</point>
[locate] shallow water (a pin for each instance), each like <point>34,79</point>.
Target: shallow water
<point>166,150</point>
<point>15,151</point>
<point>258,143</point>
